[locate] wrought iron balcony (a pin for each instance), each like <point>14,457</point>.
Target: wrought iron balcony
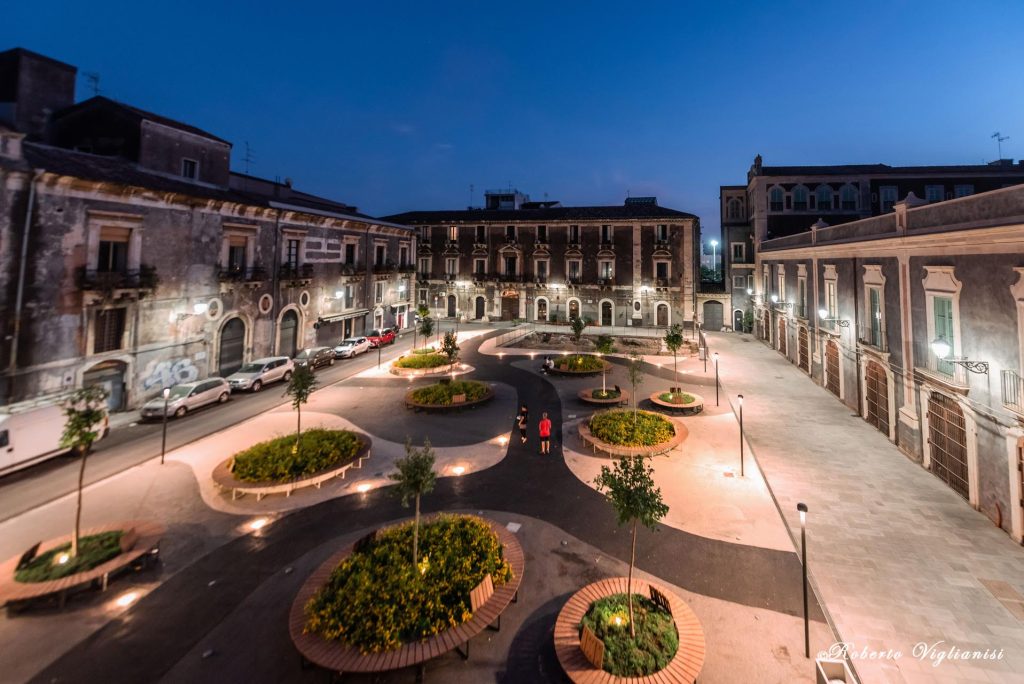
<point>90,279</point>
<point>872,336</point>
<point>287,271</point>
<point>662,282</point>
<point>1013,391</point>
<point>254,274</point>
<point>949,370</point>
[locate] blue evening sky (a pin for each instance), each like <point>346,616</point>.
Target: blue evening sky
<point>394,106</point>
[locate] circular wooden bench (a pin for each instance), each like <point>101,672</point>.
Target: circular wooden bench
<point>140,544</point>
<point>586,396</point>
<point>684,667</point>
<point>225,480</point>
<point>695,406</point>
<point>454,406</point>
<point>341,658</point>
<point>568,372</point>
<point>614,451</point>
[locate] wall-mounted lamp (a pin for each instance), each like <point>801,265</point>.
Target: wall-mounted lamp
<point>942,349</point>
<point>823,315</point>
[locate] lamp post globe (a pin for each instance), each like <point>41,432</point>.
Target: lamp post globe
<point>163,438</point>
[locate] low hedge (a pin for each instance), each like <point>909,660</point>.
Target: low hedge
<point>441,394</point>
<point>631,429</point>
<point>93,550</point>
<point>424,360</point>
<point>277,460</point>
<point>656,640</point>
<point>605,394</point>
<point>580,363</point>
<point>376,600</point>
<point>676,397</point>
<point>424,350</point>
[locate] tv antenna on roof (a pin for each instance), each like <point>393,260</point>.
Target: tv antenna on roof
<point>94,81</point>
<point>248,157</point>
<point>999,141</point>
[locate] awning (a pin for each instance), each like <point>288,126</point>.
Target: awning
<point>334,318</point>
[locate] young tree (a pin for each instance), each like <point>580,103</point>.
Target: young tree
<point>748,321</point>
<point>415,477</point>
<point>605,344</point>
<point>426,328</point>
<point>450,348</point>
<point>577,326</point>
<point>630,489</point>
<point>300,387</point>
<point>635,369</point>
<point>673,341</point>
<point>84,412</point>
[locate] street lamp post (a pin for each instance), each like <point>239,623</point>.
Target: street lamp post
<point>163,440</point>
<point>379,345</point>
<point>741,434</point>
<point>802,507</point>
<point>714,259</point>
<point>716,378</point>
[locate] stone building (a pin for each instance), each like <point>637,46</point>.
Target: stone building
<point>131,256</point>
<point>628,265</point>
<point>783,200</point>
<point>915,319</point>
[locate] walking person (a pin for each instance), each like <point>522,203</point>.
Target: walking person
<point>544,428</point>
<point>521,422</point>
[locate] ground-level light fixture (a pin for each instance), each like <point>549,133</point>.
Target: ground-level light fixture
<point>459,470</point>
<point>942,349</point>
<point>258,524</point>
<point>63,559</point>
<point>127,599</point>
<point>363,488</point>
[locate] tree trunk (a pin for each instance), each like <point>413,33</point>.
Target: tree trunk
<point>416,535</point>
<point>78,506</point>
<point>298,427</point>
<point>629,583</point>
<point>675,367</point>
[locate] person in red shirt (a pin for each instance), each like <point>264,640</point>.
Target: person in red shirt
<point>545,433</point>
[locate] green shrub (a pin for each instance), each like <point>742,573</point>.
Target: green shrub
<point>676,397</point>
<point>580,363</point>
<point>424,360</point>
<point>376,599</point>
<point>424,350</point>
<point>631,429</point>
<point>441,394</point>
<point>605,344</point>
<point>605,394</point>
<point>93,550</point>
<point>277,461</point>
<point>656,640</point>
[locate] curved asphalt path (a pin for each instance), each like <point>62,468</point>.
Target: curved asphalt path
<point>145,642</point>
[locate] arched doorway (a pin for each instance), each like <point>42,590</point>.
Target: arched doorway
<point>832,368</point>
<point>110,376</point>
<point>289,334</point>
<point>509,305</point>
<point>480,307</point>
<point>661,316</point>
<point>802,345</point>
<point>232,347</point>
<point>607,313</point>
<point>876,396</point>
<point>574,309</point>
<point>947,443</point>
<point>451,306</point>
<point>713,315</point>
<point>737,321</point>
<point>782,336</point>
<point>542,309</point>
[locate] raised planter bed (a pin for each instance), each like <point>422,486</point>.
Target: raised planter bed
<point>223,477</point>
<point>695,406</point>
<point>599,446</point>
<point>587,397</point>
<point>456,405</point>
<point>564,367</point>
<point>140,544</point>
<point>339,657</point>
<point>684,667</point>
<point>457,369</point>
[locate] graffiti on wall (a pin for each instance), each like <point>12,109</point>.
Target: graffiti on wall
<point>168,373</point>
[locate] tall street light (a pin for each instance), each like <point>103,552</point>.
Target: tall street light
<point>802,507</point>
<point>163,441</point>
<point>716,378</point>
<point>741,434</point>
<point>714,259</point>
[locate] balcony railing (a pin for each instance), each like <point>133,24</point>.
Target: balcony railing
<point>242,275</point>
<point>574,280</point>
<point>1013,391</point>
<point>606,282</point>
<point>295,271</point>
<point>661,282</point>
<point>144,278</point>
<point>872,336</point>
<point>944,369</point>
<point>406,268</point>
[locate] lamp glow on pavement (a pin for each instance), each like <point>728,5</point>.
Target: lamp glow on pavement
<point>364,487</point>
<point>503,440</point>
<point>458,470</point>
<point>125,600</point>
<point>259,524</point>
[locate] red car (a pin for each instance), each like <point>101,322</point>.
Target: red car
<point>378,338</point>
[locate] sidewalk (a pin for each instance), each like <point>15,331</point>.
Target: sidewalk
<point>898,558</point>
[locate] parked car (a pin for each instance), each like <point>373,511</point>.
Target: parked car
<point>188,397</point>
<point>314,357</point>
<point>350,347</point>
<point>378,338</point>
<point>31,432</point>
<point>255,374</point>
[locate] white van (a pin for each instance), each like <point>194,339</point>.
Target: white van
<point>30,433</point>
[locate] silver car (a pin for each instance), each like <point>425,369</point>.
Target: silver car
<point>255,374</point>
<point>350,347</point>
<point>188,397</point>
